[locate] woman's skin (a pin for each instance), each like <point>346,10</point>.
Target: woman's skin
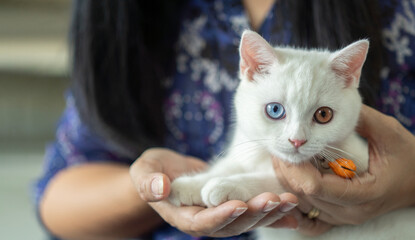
<point>388,185</point>
<point>95,201</point>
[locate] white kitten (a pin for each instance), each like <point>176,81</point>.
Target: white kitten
<point>298,105</point>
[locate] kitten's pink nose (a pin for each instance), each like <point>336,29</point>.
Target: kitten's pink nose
<point>297,142</point>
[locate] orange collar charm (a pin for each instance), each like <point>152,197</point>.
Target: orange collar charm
<point>344,168</point>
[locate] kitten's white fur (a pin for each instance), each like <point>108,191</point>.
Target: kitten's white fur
<point>302,81</point>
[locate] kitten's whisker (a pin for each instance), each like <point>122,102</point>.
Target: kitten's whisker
<point>332,156</point>
<point>342,151</point>
<point>319,155</point>
<point>317,162</point>
<point>328,151</point>
<point>327,155</point>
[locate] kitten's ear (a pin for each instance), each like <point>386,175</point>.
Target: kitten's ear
<point>348,62</point>
<point>255,54</point>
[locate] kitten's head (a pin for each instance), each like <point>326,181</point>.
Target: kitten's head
<point>296,102</point>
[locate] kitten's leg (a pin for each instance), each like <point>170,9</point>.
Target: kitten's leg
<point>242,187</point>
<point>186,190</point>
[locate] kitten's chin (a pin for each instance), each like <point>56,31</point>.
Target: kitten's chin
<point>294,158</point>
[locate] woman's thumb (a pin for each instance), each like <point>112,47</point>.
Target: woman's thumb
<point>154,187</point>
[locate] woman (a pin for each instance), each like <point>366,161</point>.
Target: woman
<point>151,74</point>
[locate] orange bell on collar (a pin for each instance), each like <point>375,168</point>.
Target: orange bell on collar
<point>344,168</point>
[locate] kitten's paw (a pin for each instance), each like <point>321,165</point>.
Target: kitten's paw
<point>185,191</point>
<point>220,190</point>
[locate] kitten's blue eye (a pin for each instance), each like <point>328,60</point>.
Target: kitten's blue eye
<point>275,111</point>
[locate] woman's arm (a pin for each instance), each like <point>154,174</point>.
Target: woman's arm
<point>96,201</point>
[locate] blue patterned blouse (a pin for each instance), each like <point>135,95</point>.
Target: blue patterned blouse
<point>198,104</point>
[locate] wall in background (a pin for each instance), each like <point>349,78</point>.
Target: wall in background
<point>33,78</point>
<point>33,68</point>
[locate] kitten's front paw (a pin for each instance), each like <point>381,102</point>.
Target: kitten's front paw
<point>185,191</point>
<point>220,190</point>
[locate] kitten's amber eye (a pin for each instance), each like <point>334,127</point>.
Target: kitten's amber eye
<point>323,115</point>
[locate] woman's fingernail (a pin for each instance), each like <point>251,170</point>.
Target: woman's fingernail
<point>157,186</point>
<point>238,212</point>
<point>270,206</point>
<point>293,226</point>
<point>286,207</point>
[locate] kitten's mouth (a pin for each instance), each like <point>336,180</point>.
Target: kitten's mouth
<point>293,156</point>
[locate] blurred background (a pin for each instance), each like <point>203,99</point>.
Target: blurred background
<point>33,79</point>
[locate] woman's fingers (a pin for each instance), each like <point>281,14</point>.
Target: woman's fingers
<point>153,172</point>
<point>199,220</point>
<point>263,210</point>
<point>258,208</point>
<point>277,217</point>
<point>151,184</point>
<point>232,217</point>
<point>306,180</point>
<point>154,187</point>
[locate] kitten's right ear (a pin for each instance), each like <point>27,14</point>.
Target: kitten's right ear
<point>255,54</point>
<point>348,62</point>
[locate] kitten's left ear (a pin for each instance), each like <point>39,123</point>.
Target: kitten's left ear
<point>348,62</point>
<point>256,54</point>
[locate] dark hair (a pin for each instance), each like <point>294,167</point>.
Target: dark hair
<point>121,55</point>
<point>334,24</point>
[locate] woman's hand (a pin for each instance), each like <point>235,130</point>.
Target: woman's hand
<point>152,174</point>
<point>389,183</point>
